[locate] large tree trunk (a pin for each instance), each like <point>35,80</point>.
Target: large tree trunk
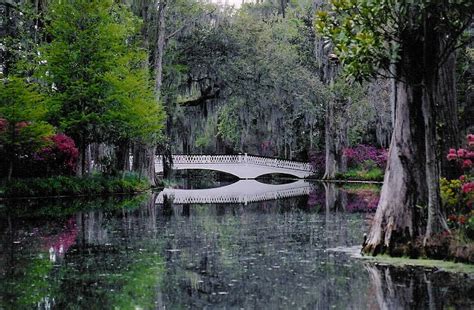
<point>431,51</point>
<point>396,221</point>
<point>122,156</point>
<point>144,157</point>
<point>144,162</point>
<point>159,52</point>
<point>335,140</point>
<point>81,159</point>
<point>160,48</point>
<point>447,111</point>
<point>331,162</point>
<point>411,179</point>
<point>436,222</point>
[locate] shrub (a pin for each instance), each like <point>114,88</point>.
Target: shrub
<point>363,154</point>
<point>318,163</point>
<point>64,185</point>
<point>58,158</point>
<point>458,195</point>
<point>361,173</point>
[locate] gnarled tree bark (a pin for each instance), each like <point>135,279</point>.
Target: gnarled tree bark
<point>404,185</point>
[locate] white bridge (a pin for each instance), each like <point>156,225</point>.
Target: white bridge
<point>242,166</point>
<point>243,191</point>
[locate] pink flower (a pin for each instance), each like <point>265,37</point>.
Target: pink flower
<point>468,187</point>
<point>470,139</point>
<point>462,178</point>
<point>20,125</point>
<point>452,156</point>
<point>467,163</point>
<point>462,152</point>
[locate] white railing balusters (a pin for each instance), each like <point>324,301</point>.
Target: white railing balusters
<point>211,196</point>
<point>234,159</point>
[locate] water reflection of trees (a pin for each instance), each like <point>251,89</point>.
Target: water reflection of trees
<point>103,265</point>
<point>271,253</point>
<point>418,288</point>
<point>248,255</point>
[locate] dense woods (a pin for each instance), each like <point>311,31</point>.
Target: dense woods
<point>99,83</point>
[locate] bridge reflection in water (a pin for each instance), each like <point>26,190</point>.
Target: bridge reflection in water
<point>243,191</point>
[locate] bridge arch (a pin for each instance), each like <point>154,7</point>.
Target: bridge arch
<point>242,166</point>
<point>243,191</point>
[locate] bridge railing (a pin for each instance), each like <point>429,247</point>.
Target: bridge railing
<point>236,159</point>
<point>180,196</point>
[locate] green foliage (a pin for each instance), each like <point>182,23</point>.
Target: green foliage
<point>22,113</point>
<point>358,187</point>
<point>249,73</point>
<point>138,282</point>
<point>353,110</point>
<point>368,35</point>
<point>205,141</point>
<point>20,44</point>
<point>31,285</point>
<point>134,112</point>
<point>357,30</point>
<point>98,74</point>
<point>451,192</point>
<point>228,126</point>
<point>65,207</point>
<point>363,172</point>
<point>63,185</point>
<point>457,201</point>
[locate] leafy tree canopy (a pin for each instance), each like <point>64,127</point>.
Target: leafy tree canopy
<point>97,72</point>
<point>368,35</point>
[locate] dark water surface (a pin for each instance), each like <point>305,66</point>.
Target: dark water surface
<point>130,253</point>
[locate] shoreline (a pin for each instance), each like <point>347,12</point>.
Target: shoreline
<point>426,263</point>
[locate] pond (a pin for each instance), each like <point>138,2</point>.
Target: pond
<point>254,253</point>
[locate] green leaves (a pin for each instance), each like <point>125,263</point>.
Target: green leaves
<point>134,112</point>
<point>98,74</point>
<point>367,34</point>
<point>358,30</point>
<point>22,111</point>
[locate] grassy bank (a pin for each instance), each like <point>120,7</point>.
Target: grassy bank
<point>361,174</point>
<point>384,259</point>
<point>448,266</point>
<point>74,186</point>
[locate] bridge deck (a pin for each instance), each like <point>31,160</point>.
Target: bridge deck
<point>242,166</point>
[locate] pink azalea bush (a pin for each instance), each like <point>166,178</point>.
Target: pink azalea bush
<point>458,195</point>
<point>361,153</point>
<point>60,157</point>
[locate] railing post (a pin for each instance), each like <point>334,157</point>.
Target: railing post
<point>245,158</point>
